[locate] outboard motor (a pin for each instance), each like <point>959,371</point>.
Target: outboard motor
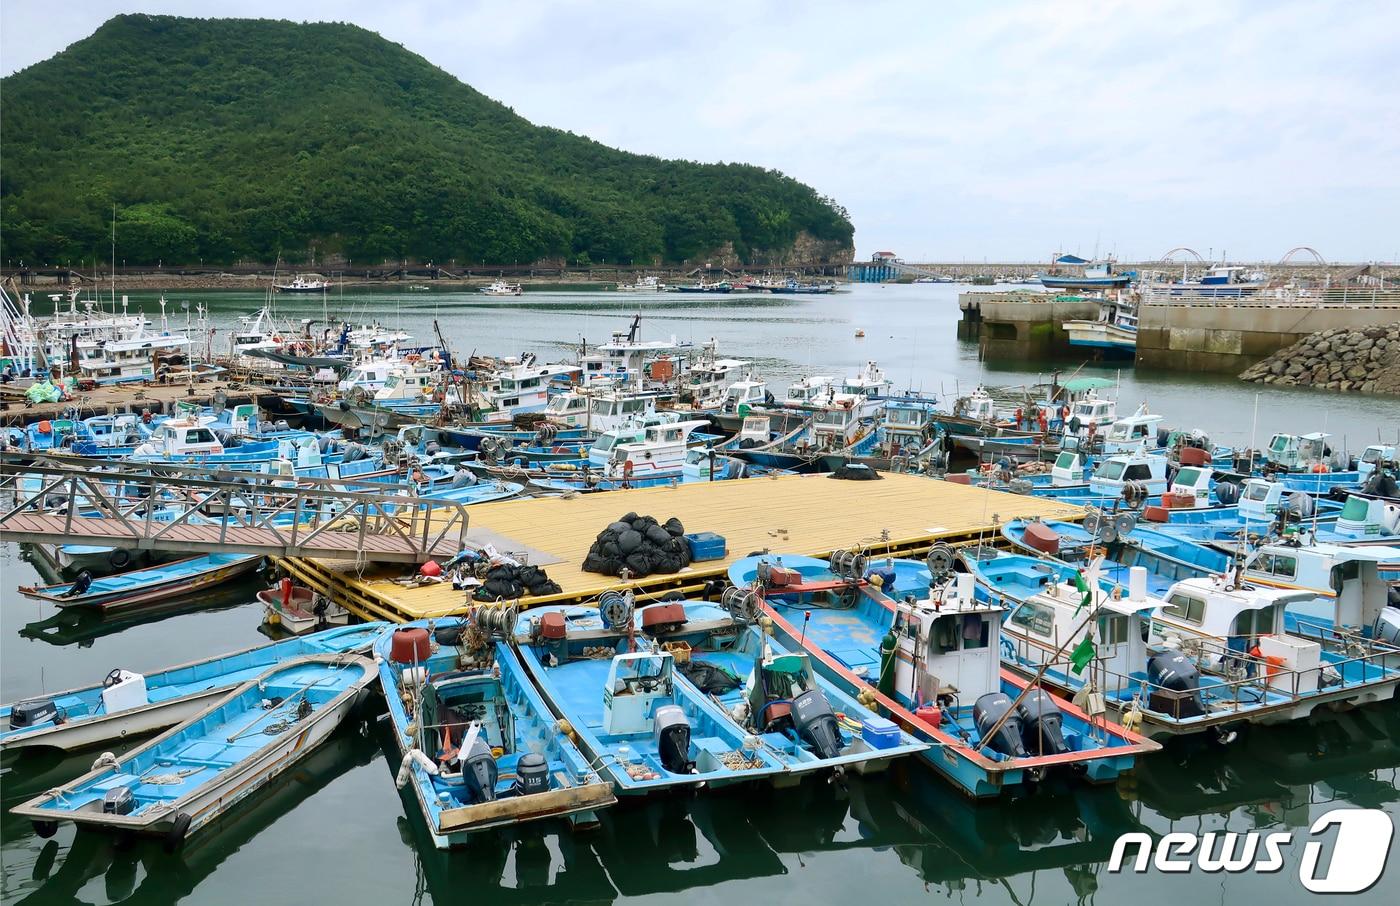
<point>986,711</point>
<point>815,723</point>
<point>33,713</point>
<point>479,772</point>
<point>1227,492</point>
<point>118,801</point>
<point>283,425</point>
<point>1300,505</point>
<point>354,452</point>
<point>1387,625</point>
<point>531,774</point>
<point>1041,724</point>
<point>672,734</point>
<point>432,448</point>
<point>1173,672</point>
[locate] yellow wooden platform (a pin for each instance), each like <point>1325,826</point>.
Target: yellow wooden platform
<point>795,514</point>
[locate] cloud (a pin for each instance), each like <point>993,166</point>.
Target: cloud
<point>949,130</point>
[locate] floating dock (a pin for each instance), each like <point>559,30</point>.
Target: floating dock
<point>794,514</point>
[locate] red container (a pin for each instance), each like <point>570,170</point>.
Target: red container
<point>1194,456</point>
<point>409,645</point>
<point>662,617</point>
<point>1155,514</point>
<point>1042,538</point>
<point>552,625</point>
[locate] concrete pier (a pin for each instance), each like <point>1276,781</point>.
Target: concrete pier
<point>1230,335</point>
<point>1021,324</point>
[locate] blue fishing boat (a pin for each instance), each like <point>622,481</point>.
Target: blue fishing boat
<point>1095,275</point>
<point>768,688</point>
<point>931,667</point>
<point>479,746</point>
<point>643,728</point>
<point>165,582</point>
<point>187,777</point>
<point>1208,656</point>
<point>1166,557</point>
<point>127,704</point>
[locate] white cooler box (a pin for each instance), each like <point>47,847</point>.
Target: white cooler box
<point>1296,654</point>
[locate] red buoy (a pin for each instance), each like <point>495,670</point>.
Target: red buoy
<point>410,644</point>
<point>431,568</point>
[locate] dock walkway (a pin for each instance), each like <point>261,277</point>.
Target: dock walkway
<point>795,514</point>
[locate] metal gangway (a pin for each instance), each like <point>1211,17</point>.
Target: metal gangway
<point>56,499</point>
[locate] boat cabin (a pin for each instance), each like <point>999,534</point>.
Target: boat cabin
<point>809,391</point>
<point>1362,518</point>
<point>869,383</point>
<point>977,406</point>
<point>182,437</point>
<point>371,375</point>
<point>836,425</point>
<point>746,393</point>
<point>638,683</point>
<point>1372,458</point>
<point>1131,431</point>
<point>525,387</point>
<point>1071,468</point>
<point>599,410</point>
<point>1088,413</point>
<point>1190,487</point>
<point>906,423</point>
<point>1116,471</point>
<point>1213,607</point>
<point>1299,453</point>
<point>949,646</point>
<point>649,449</point>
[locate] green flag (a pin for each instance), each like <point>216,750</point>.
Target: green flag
<point>1082,654</point>
<point>1083,586</point>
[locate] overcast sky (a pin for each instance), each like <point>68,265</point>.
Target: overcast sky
<point>949,130</point>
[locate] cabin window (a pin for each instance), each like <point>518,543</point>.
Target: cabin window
<point>1187,478</point>
<point>1372,455</point>
<point>199,436</point>
<point>1065,461</point>
<point>1279,443</point>
<point>633,405</point>
<point>1113,630</point>
<point>1254,622</point>
<point>1138,473</point>
<point>1186,607</point>
<point>1356,509</point>
<point>1284,566</point>
<point>1111,470</point>
<point>1033,617</point>
<point>976,632</point>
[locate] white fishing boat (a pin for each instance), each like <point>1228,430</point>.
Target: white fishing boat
<point>643,285</point>
<point>303,283</point>
<point>502,288</point>
<point>299,610</point>
<point>1113,332</point>
<point>624,359</point>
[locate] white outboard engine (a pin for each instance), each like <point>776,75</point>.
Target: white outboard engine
<point>1388,626</point>
<point>531,774</point>
<point>479,772</point>
<point>672,734</point>
<point>990,708</point>
<point>1041,724</point>
<point>1174,672</point>
<point>815,723</point>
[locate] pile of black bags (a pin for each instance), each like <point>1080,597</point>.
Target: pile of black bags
<point>640,545</point>
<point>506,581</point>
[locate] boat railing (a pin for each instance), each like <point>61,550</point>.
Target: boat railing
<point>129,504</point>
<point>1248,681</point>
<point>1231,296</point>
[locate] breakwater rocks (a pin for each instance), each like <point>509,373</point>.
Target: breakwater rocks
<point>1360,360</point>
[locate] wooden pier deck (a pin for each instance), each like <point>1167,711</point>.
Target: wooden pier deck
<point>797,514</point>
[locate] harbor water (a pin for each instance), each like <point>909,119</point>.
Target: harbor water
<point>335,829</point>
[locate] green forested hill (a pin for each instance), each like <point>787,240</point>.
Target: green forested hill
<point>227,139</point>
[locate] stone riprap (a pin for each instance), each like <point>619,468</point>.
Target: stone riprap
<point>1358,360</point>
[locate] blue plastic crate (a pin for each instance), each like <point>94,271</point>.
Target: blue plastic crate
<point>706,546</point>
<point>879,732</point>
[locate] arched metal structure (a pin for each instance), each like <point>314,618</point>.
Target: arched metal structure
<point>1288,256</point>
<point>1181,248</point>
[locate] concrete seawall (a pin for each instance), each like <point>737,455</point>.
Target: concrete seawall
<point>1020,325</point>
<point>1231,336</point>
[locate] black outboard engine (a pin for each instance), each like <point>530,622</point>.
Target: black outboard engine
<point>672,733</point>
<point>1227,492</point>
<point>479,772</point>
<point>33,713</point>
<point>990,708</point>
<point>1041,724</point>
<point>815,723</point>
<point>118,801</point>
<point>531,774</point>
<point>1178,685</point>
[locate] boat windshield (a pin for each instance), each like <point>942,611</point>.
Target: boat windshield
<point>1066,461</point>
<point>1110,470</point>
<point>1256,491</point>
<point>1187,478</point>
